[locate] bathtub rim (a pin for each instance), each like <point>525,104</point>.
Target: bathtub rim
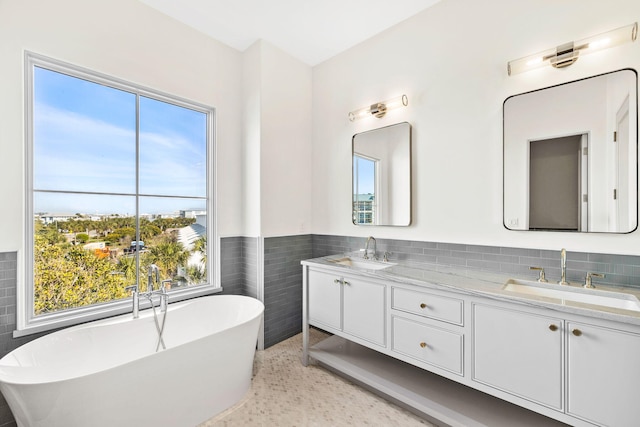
<point>35,379</point>
<point>52,322</point>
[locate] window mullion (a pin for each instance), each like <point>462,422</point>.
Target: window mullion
<point>137,252</point>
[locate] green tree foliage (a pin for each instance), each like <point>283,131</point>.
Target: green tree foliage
<point>127,266</point>
<point>168,223</point>
<point>196,274</point>
<point>119,235</point>
<point>200,247</point>
<point>68,277</point>
<point>168,256</point>
<point>49,234</point>
<point>82,237</point>
<point>149,231</point>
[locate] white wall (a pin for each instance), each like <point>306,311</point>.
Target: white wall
<point>451,61</point>
<point>131,41</point>
<point>276,142</point>
<point>251,136</point>
<point>285,148</point>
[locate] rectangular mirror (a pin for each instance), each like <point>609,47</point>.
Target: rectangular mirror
<point>571,156</point>
<point>382,176</point>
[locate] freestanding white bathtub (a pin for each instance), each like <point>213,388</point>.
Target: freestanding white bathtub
<point>107,373</point>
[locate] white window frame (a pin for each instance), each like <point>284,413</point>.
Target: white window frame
<point>376,187</point>
<point>27,322</point>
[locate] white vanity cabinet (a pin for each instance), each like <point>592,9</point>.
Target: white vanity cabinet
<point>519,353</point>
<point>603,374</point>
<point>348,306</point>
<point>578,367</point>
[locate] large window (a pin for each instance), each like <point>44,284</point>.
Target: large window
<point>119,179</point>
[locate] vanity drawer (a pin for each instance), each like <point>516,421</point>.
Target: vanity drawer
<point>428,305</point>
<point>428,344</point>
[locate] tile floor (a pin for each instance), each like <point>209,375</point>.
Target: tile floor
<point>286,394</point>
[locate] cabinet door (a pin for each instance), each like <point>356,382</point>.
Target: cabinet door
<point>603,374</point>
<point>519,353</point>
<point>324,300</point>
<point>364,310</point>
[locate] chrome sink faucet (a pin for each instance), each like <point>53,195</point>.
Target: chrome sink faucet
<point>366,248</point>
<point>563,267</point>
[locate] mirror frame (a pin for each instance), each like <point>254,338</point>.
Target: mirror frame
<point>410,172</point>
<point>635,143</point>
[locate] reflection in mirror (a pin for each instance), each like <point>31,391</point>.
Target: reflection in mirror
<point>571,156</point>
<point>382,176</point>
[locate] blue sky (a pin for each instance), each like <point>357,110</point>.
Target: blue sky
<point>85,140</point>
<point>366,175</point>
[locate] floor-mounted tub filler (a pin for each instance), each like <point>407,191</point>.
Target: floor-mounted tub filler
<point>108,373</point>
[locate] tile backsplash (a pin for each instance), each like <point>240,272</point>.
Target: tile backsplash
<point>619,270</point>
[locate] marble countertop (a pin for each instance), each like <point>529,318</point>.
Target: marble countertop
<point>487,285</point>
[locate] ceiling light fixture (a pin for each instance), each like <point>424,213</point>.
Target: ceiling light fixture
<point>379,109</point>
<point>568,53</point>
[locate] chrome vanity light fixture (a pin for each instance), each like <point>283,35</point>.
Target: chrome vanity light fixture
<point>379,109</point>
<point>568,53</point>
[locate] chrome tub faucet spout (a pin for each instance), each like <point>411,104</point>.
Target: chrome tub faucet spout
<point>135,298</point>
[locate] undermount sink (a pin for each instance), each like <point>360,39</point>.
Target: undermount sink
<point>362,264</point>
<point>574,294</point>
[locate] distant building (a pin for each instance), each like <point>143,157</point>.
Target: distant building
<point>364,208</point>
<point>50,218</point>
<point>190,234</point>
<point>192,213</point>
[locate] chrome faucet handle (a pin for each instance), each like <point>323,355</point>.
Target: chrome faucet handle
<point>587,280</point>
<point>152,272</point>
<point>385,257</point>
<point>164,295</point>
<point>541,277</point>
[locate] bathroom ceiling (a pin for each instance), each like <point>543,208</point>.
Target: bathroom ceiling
<point>310,30</point>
